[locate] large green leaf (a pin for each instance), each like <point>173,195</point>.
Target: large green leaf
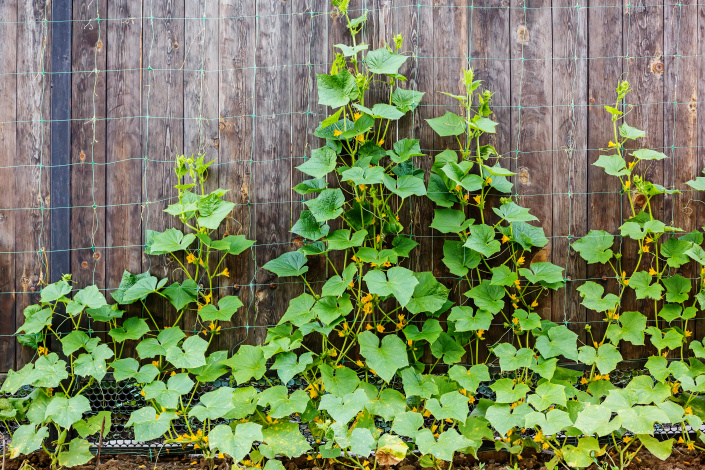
<point>336,90</point>
<point>237,444</point>
<point>386,358</point>
<point>291,263</point>
<point>487,296</point>
<point>321,163</point>
<point>340,381</point>
<point>448,124</point>
<point>384,61</point>
<point>466,321</point>
<point>148,425</point>
<point>66,411</point>
<point>26,439</point>
<point>429,294</point>
<point>482,240</point>
<point>397,281</point>
<point>190,354</point>
<point>512,212</point>
<point>78,453</point>
<point>283,439</point>
<point>247,363</point>
<point>328,205</point>
<point>558,341</point>
<point>169,241</point>
<point>595,247</point>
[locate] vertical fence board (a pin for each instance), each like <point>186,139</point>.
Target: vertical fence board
<point>236,84</point>
<point>124,155</point>
<point>162,131</point>
<point>569,157</point>
<point>603,75</point>
<point>88,143</point>
<point>8,152</point>
<point>32,183</point>
<point>201,95</point>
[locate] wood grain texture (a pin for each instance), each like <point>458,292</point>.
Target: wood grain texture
<point>236,84</point>
<point>162,133</point>
<point>124,155</point>
<point>33,141</point>
<point>8,149</point>
<point>569,158</point>
<point>88,137</point>
<point>604,71</point>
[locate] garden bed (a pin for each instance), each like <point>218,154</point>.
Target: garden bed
<point>682,459</point>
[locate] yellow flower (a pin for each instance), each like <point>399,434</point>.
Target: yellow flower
<point>381,142</point>
<point>688,410</point>
<point>341,334</point>
<point>457,188</point>
<point>631,164</point>
<point>359,363</point>
<point>477,199</point>
<point>367,298</point>
<point>627,439</point>
<point>466,197</point>
<point>520,261</point>
<point>220,455</point>
<point>505,239</point>
<point>545,446</point>
<point>360,138</point>
<point>190,258</point>
<point>611,144</point>
<point>471,399</point>
<point>517,282</point>
<point>367,308</point>
<point>648,240</point>
<point>488,180</point>
<point>688,333</point>
<point>336,133</point>
<point>208,298</point>
<point>480,334</point>
<point>357,116</point>
<point>426,413</point>
<point>409,342</point>
<point>361,186</point>
<point>645,248</point>
<point>534,304</point>
<point>583,381</point>
<point>691,445</point>
<point>142,393</point>
<point>155,363</point>
<point>652,271</point>
<point>627,184</point>
<point>680,440</point>
<point>173,373</point>
<point>225,273</point>
<point>368,327</point>
<point>380,328</point>
<point>515,320</point>
<point>386,264</point>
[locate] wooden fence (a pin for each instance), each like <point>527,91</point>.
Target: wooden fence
<point>235,79</point>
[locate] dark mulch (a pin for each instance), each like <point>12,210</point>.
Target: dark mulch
<point>681,459</point>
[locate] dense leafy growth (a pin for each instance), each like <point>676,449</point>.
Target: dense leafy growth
<point>360,343</point>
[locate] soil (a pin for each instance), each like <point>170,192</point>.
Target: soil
<point>681,459</point>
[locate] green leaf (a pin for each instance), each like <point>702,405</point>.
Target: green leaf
<point>641,419</point>
<point>458,175</point>
<point>614,165</point>
<point>552,422</point>
<point>438,192</point>
<point>396,281</point>
<point>447,348</point>
<point>629,132</point>
<point>584,454</point>
<point>507,391</point>
<point>419,385</point>
<point>291,263</point>
<point>606,357</point>
<point>213,405</point>
<point>487,297</point>
<point>677,288</point>
<point>169,241</point>
<point>512,212</point>
<point>212,210</point>
<point>429,332</point>
<point>289,365</point>
<point>340,381</point>
<point>36,322</point>
<point>595,247</point>
<point>466,321</point>
<point>336,90</point>
<point>452,405</point>
<point>660,449</point>
<point>247,363</point>
<point>380,111</point>
<point>315,185</point>
<point>132,328</point>
<point>558,341</point>
<point>648,154</point>
<point>459,259</point>
<point>55,291</point>
<point>503,276</point>
<point>407,423</point>
<point>406,186</point>
<point>591,293</point>
<point>641,283</point>
<point>445,447</point>
<point>78,453</point>
<point>429,295</point>
<point>328,205</point>
<point>671,340</point>
<point>482,240</point>
<point>321,163</point>
<point>283,439</point>
<point>167,395</point>
<point>237,444</point>
<point>93,364</point>
<point>343,240</point>
<point>503,419</point>
<point>511,359</point>
<point>406,100</point>
<point>147,425</point>
<point>349,51</point>
<point>384,61</point>
<point>190,354</point>
<point>281,404</point>
<point>544,273</point>
<point>470,379</point>
<point>299,311</point>
<point>483,124</point>
<point>232,244</point>
<point>450,221</point>
<point>129,368</point>
<point>368,175</point>
<point>227,306</point>
<point>385,359</point>
<point>309,228</point>
<point>94,424</point>
<point>158,346</point>
<point>344,409</point>
<point>26,439</point>
<point>674,250</point>
<point>66,411</point>
<point>631,328</point>
<point>180,295</point>
<point>448,124</point>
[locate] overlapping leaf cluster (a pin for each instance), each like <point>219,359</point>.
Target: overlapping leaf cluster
<point>349,360</point>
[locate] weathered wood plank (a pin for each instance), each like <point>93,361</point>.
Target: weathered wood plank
<point>680,123</point>
<point>569,158</point>
<point>124,155</point>
<point>490,58</point>
<point>236,85</point>
<point>201,107</point>
<point>272,211</point>
<point>644,30</point>
<point>162,132</point>
<point>33,139</point>
<point>88,143</point>
<point>8,136</point>
<point>531,45</point>
<point>603,75</point>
